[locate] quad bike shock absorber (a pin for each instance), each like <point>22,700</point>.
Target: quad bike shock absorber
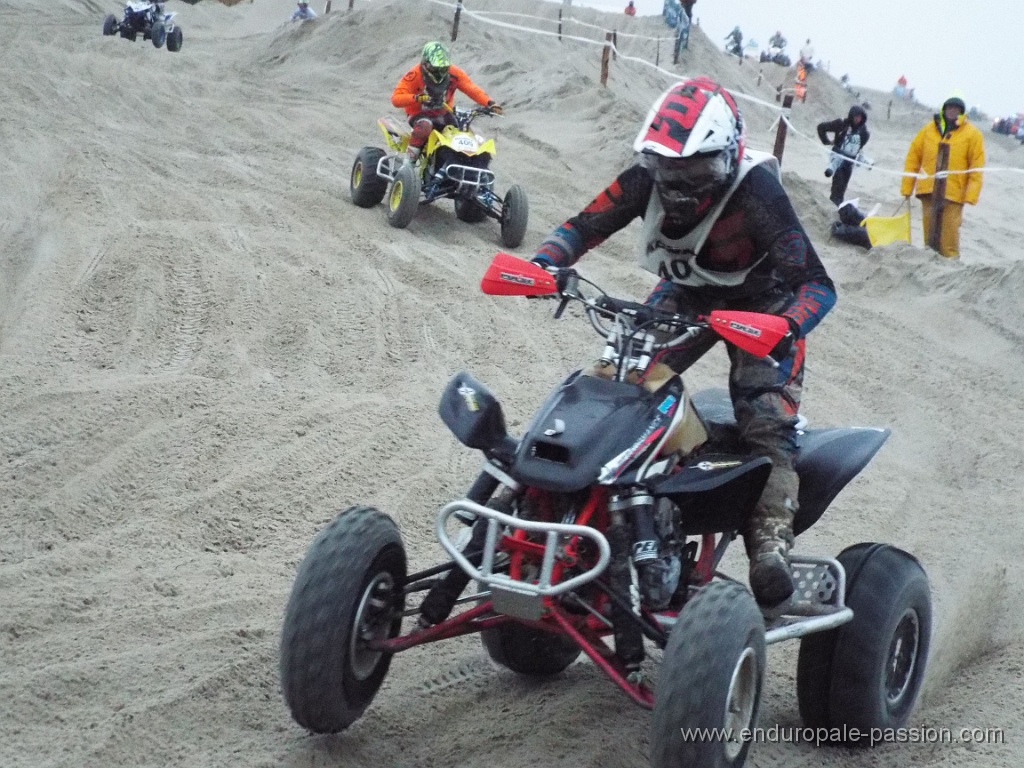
<point>441,597</point>
<point>629,640</point>
<point>657,571</point>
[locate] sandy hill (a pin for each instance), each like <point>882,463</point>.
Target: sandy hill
<point>206,351</point>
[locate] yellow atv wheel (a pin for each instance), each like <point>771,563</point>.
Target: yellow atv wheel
<point>404,198</point>
<point>365,186</point>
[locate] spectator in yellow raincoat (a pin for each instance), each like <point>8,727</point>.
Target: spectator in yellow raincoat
<point>966,153</point>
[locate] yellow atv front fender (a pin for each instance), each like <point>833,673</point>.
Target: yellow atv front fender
<point>463,142</point>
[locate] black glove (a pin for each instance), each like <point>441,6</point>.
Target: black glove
<point>781,350</point>
<point>561,275</point>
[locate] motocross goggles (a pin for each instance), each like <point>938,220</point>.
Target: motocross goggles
<point>437,74</point>
<point>688,173</point>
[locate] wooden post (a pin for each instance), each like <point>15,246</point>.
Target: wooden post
<point>657,53</point>
<point>780,134</point>
<point>605,55</point>
<point>938,198</point>
<point>327,8</point>
<point>615,45</point>
<point>559,25</point>
<point>888,112</point>
<point>350,3</point>
<point>455,24</point>
<point>760,74</point>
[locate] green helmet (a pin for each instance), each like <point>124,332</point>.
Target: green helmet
<point>435,61</point>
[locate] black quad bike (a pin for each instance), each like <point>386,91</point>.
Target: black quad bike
<point>454,164</point>
<point>149,20</point>
<point>608,519</point>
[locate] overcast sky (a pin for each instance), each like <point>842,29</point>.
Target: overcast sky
<point>973,47</point>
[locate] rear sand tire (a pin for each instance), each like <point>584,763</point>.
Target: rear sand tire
<point>109,24</point>
<point>468,211</point>
<point>528,650</point>
<point>365,187</point>
<point>868,673</point>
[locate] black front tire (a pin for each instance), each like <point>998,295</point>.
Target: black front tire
<point>515,212</point>
<point>109,24</point>
<point>348,588</point>
<point>158,34</point>
<point>711,678</point>
<point>364,185</point>
<point>868,673</point>
<point>527,650</point>
<point>174,40</point>
<point>404,198</point>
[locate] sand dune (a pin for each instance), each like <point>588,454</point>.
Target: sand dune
<point>206,351</point>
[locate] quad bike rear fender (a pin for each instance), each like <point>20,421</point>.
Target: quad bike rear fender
<point>396,135</point>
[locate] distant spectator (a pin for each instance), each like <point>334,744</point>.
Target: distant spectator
<point>688,8</point>
<point>303,12</point>
<point>777,41</point>
<point>806,54</point>
<point>849,136</point>
<point>966,153</point>
<point>734,42</point>
<point>631,9</point>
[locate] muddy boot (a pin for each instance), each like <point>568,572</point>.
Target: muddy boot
<point>768,539</point>
<point>771,580</point>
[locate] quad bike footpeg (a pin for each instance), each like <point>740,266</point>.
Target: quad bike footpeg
<point>817,602</point>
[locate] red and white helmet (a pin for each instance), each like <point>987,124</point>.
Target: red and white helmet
<point>692,140</point>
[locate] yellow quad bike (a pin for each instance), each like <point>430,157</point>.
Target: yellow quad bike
<point>454,164</point>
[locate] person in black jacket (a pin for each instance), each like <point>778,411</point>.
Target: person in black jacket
<point>849,138</point>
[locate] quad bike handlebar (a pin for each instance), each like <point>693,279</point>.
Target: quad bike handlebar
<point>636,334</point>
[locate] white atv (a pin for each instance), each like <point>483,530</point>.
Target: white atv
<point>149,20</point>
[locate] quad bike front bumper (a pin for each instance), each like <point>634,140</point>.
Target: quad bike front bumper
<point>515,597</point>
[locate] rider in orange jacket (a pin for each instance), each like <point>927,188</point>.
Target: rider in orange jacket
<point>427,94</point>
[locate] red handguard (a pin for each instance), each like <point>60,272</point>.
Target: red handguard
<point>509,275</point>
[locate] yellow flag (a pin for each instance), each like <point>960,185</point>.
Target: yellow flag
<point>883,230</point>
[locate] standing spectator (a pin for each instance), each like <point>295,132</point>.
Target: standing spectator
<point>848,139</point>
<point>734,42</point>
<point>303,12</point>
<point>963,185</point>
<point>631,9</point>
<point>688,8</point>
<point>806,54</point>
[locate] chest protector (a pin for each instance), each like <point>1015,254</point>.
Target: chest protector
<point>676,258</point>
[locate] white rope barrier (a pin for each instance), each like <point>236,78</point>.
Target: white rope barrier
<point>784,112</point>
